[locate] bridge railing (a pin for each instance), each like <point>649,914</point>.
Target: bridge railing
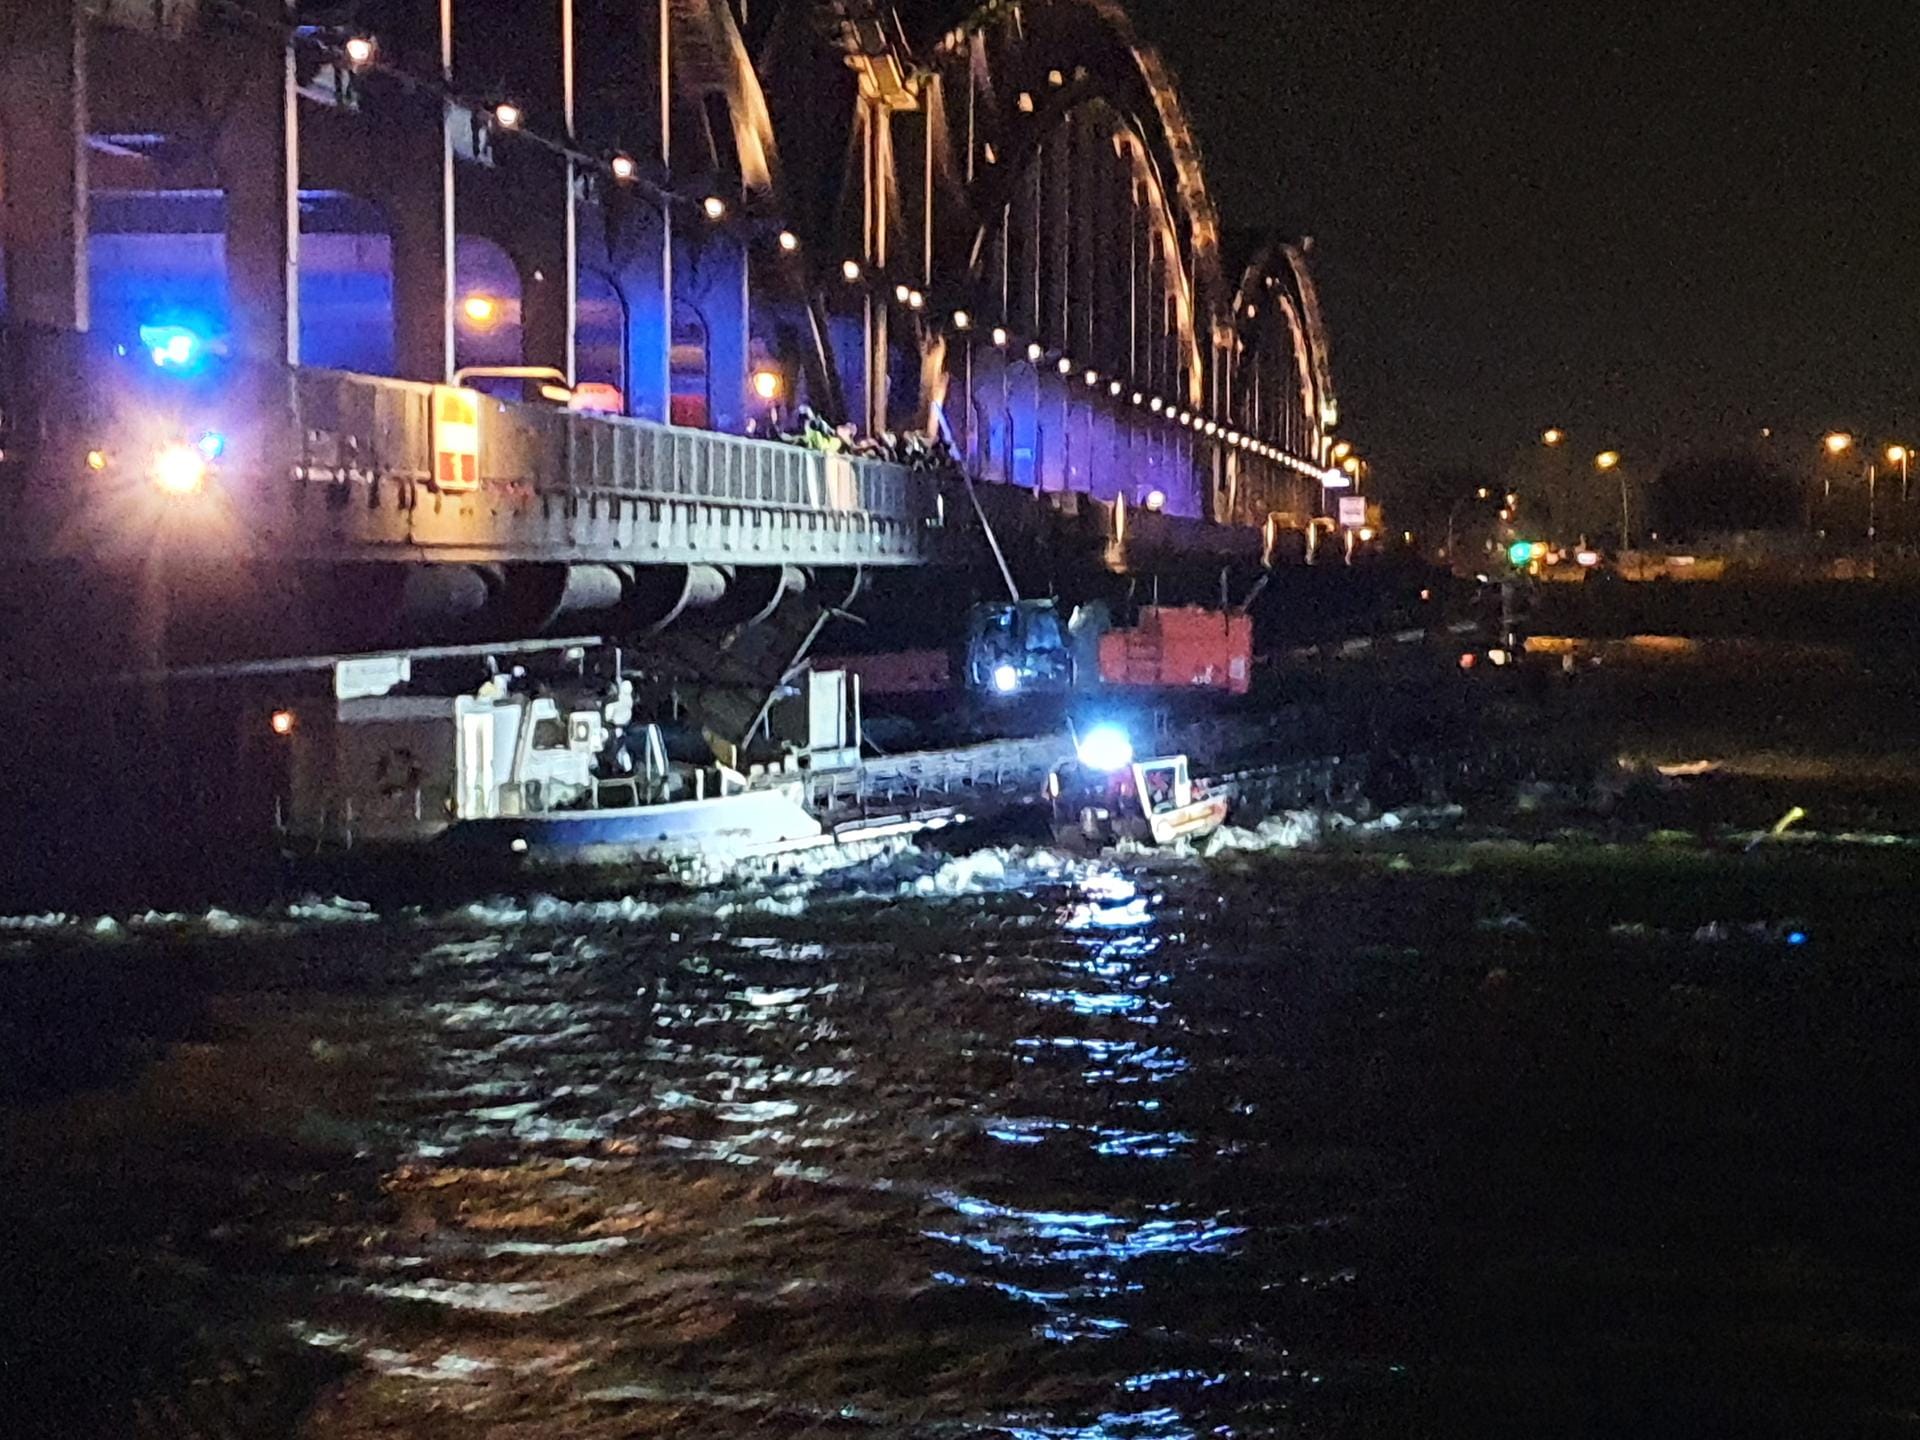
<point>331,465</point>
<point>352,424</point>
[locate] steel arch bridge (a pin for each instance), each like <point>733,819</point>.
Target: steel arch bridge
<point>989,224</point>
<point>1043,275</point>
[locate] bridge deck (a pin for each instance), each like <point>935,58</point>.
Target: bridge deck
<point>325,466</point>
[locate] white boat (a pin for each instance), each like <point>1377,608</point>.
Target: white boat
<point>1105,794</point>
<point>556,774</point>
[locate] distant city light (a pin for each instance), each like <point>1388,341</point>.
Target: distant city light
<point>789,241</point>
<point>1035,353</point>
<point>361,49</point>
<point>715,207</point>
<point>282,723</point>
<point>481,310</point>
<point>1839,443</point>
<point>1066,365</point>
<point>962,320</point>
<point>850,269</point>
<point>507,116</point>
<point>623,167</point>
<point>1156,500</point>
<point>1000,336</point>
<point>96,460</point>
<point>1553,437</point>
<point>1606,459</point>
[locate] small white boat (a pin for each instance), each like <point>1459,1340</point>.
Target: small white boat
<point>1105,795</point>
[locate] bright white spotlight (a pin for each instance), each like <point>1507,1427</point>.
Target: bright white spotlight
<point>1006,679</point>
<point>179,469</point>
<point>1105,748</point>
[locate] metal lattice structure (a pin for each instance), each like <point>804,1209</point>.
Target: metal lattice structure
<point>990,226</point>
<point>1029,178</point>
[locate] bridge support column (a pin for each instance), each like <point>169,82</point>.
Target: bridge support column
<point>414,188</point>
<point>719,291</point>
<point>43,163</point>
<point>542,263</point>
<point>255,152</point>
<point>635,235</point>
<point>420,295</point>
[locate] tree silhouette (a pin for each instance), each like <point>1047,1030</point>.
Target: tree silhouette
<point>1736,490</point>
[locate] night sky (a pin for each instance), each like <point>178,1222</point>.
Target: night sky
<point>1659,226</point>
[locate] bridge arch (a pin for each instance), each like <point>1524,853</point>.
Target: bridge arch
<point>1026,205</point>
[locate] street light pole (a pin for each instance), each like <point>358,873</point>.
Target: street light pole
<point>1610,460</point>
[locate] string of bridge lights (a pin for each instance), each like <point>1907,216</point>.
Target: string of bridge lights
<point>360,54</point>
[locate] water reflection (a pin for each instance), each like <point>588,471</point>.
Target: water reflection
<point>1092,1153</point>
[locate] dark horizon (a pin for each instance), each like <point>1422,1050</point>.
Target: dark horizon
<point>1661,233</point>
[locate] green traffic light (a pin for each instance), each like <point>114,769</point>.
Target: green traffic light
<point>1520,552</point>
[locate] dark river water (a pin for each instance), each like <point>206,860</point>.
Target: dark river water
<point>1426,1138</point>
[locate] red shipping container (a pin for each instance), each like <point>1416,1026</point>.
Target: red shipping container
<point>1183,649</point>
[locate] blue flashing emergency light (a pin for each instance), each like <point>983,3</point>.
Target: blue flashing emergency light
<point>173,347</point>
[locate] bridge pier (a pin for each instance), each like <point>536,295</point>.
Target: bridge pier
<point>43,163</point>
<point>255,151</point>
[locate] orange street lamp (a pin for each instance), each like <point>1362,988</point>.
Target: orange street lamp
<point>1553,436</point>
<point>1606,460</point>
<point>481,311</point>
<point>1839,442</point>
